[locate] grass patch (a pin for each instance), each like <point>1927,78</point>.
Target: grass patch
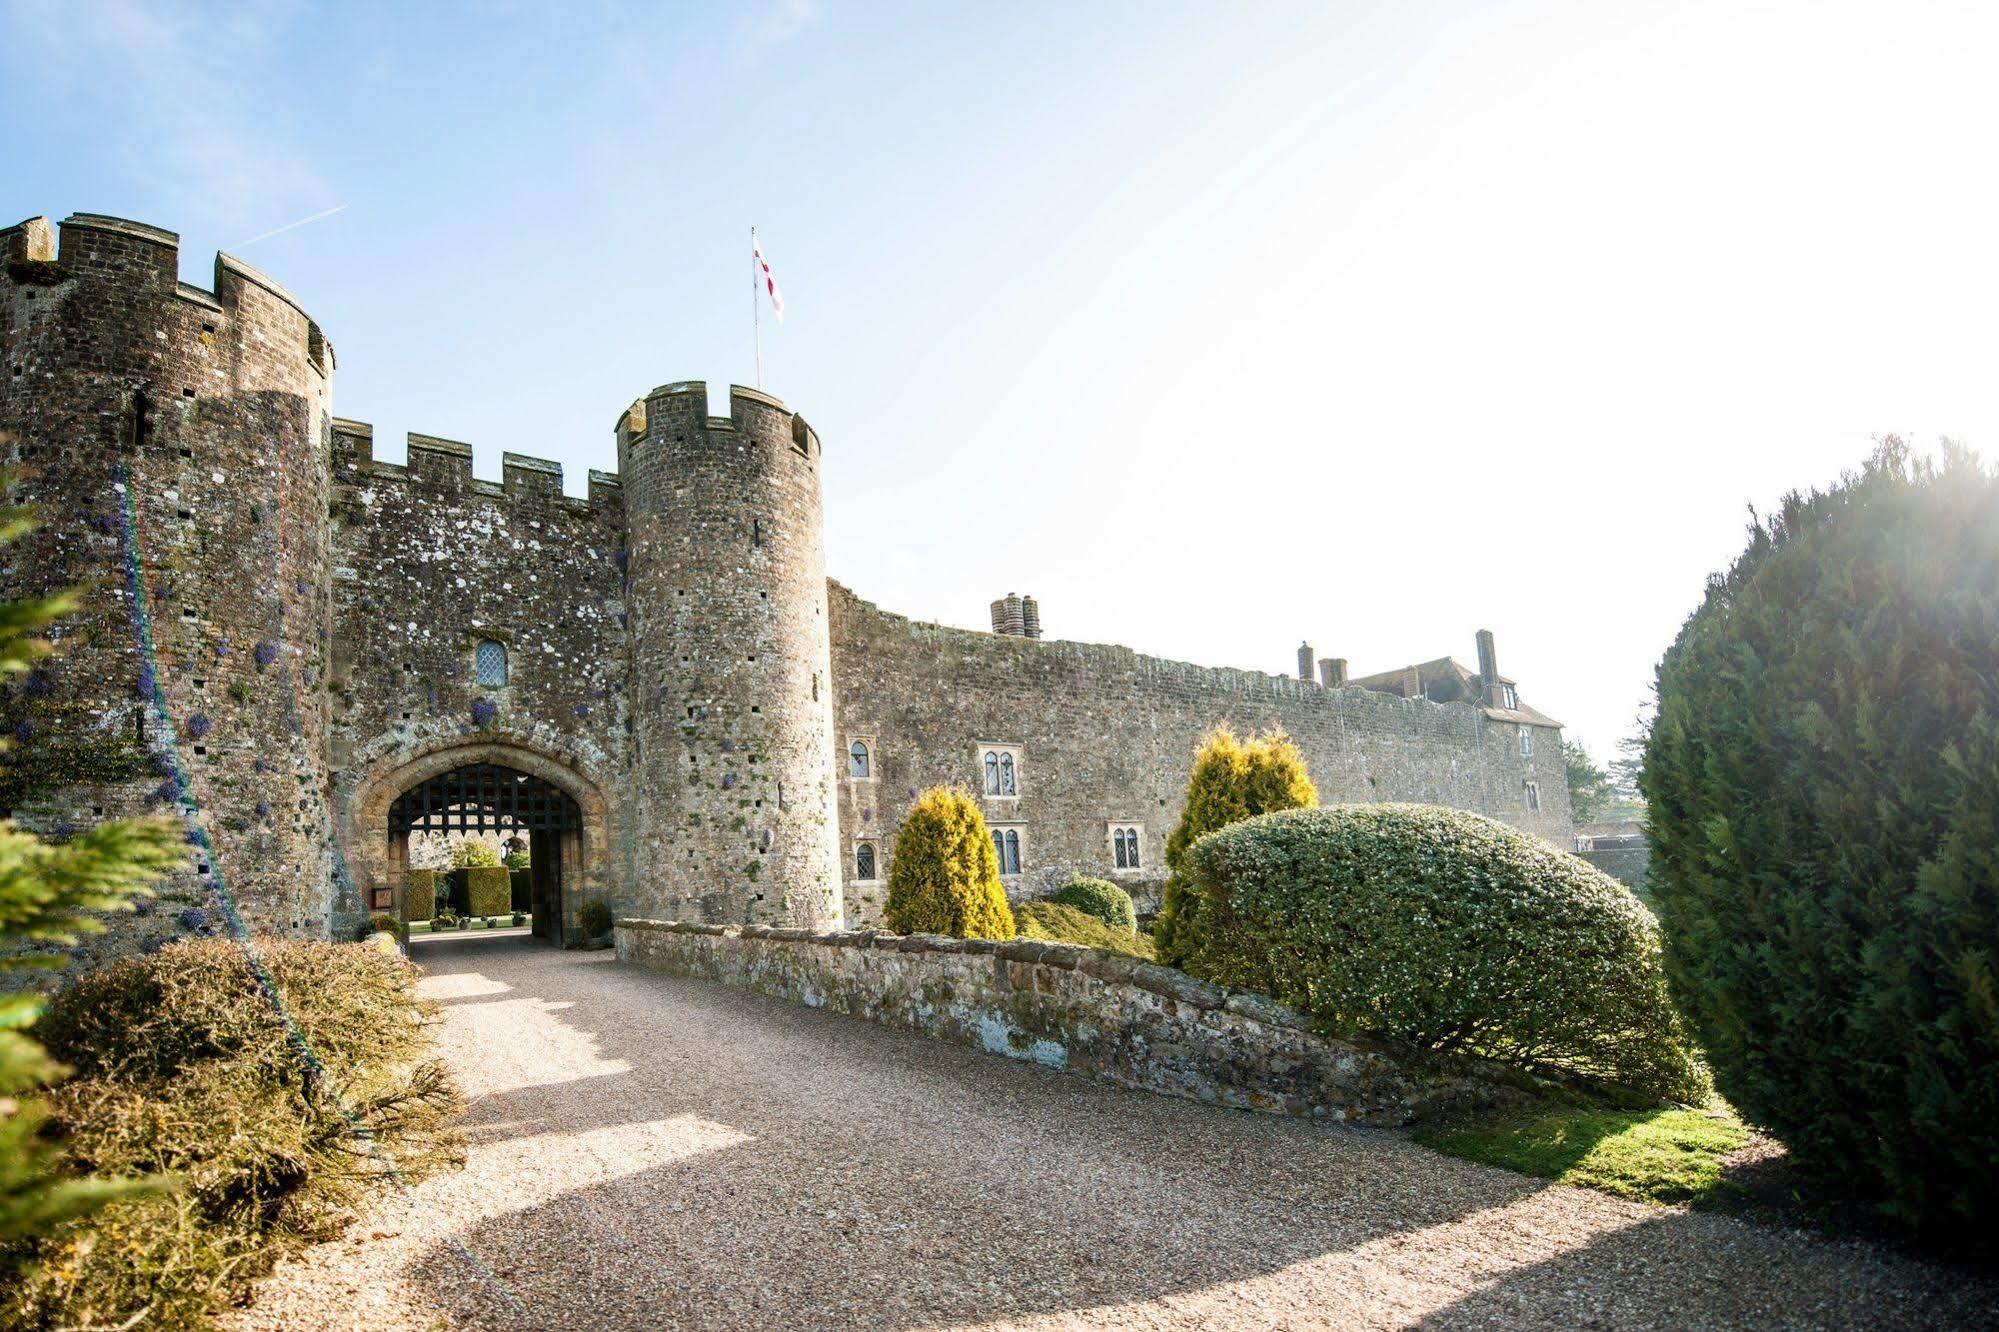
<point>1065,924</point>
<point>1662,1156</point>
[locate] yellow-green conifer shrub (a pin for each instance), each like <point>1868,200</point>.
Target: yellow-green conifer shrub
<point>1233,780</point>
<point>945,879</point>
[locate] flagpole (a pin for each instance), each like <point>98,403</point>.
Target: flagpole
<point>756,311</point>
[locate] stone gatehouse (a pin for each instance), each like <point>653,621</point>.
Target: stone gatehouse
<point>307,653</point>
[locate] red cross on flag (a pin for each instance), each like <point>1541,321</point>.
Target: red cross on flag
<point>770,281</point>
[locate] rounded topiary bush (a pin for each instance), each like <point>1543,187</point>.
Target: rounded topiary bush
<point>1106,901</point>
<point>594,919</point>
<point>945,877</point>
<point>1823,783</point>
<point>1445,932</point>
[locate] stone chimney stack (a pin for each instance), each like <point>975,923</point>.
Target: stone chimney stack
<point>1488,667</point>
<point>1305,661</point>
<point>1016,617</point>
<point>1332,671</point>
<point>1412,682</point>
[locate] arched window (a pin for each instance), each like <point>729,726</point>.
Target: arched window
<point>864,861</point>
<point>1012,858</point>
<point>1124,847</point>
<point>992,773</point>
<point>1122,857</point>
<point>490,662</point>
<point>857,759</point>
<point>1006,787</point>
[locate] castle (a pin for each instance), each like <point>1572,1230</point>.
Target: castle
<point>308,654</point>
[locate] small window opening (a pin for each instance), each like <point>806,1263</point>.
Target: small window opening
<point>857,760</point>
<point>490,662</point>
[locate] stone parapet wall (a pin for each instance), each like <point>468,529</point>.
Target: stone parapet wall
<point>1100,1014</point>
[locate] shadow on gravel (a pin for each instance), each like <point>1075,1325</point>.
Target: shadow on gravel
<point>885,1180</point>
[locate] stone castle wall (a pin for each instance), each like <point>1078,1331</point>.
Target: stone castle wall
<point>428,562</point>
<point>278,636</point>
<point>173,443</point>
<point>1098,1014</point>
<point>1106,737</point>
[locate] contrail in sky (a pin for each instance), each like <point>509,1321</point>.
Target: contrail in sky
<point>289,226</point>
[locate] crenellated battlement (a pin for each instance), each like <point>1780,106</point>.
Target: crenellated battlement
<point>686,401</point>
<point>116,252</point>
<point>445,466</point>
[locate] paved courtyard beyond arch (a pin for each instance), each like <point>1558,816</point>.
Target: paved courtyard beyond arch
<point>652,1152</point>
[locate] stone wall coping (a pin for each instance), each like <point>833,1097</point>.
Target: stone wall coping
<point>1102,964</point>
<point>123,226</point>
<point>229,263</point>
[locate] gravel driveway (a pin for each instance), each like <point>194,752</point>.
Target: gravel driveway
<point>649,1152</point>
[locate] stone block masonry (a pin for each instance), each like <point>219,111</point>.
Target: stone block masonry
<point>1099,1014</point>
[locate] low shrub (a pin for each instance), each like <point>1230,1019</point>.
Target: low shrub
<point>594,919</point>
<point>420,894</point>
<point>489,890</point>
<point>1106,901</point>
<point>1441,931</point>
<point>1059,923</point>
<point>185,1066</point>
<point>444,920</point>
<point>945,875</point>
<point>384,924</point>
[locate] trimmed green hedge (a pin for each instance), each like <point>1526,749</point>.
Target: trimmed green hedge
<point>595,919</point>
<point>1102,899</point>
<point>1823,783</point>
<point>420,894</point>
<point>1442,931</point>
<point>489,890</point>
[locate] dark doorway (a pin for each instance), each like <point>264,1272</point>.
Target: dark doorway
<point>486,797</point>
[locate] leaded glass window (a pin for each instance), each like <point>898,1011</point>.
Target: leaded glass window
<point>490,662</point>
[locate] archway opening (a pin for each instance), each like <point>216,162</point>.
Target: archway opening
<point>486,798</point>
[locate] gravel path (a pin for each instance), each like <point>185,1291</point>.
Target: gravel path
<point>649,1152</point>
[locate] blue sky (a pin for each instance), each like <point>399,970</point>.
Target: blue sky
<point>1212,326</point>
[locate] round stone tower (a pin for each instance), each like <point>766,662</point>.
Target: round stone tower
<point>732,763</point>
<point>173,444</point>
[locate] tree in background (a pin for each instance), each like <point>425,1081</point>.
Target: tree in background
<point>1823,791</point>
<point>1233,779</point>
<point>49,894</point>
<point>945,879</point>
<point>471,853</point>
<point>1591,792</point>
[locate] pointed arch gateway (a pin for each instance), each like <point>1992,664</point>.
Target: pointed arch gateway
<point>486,784</point>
